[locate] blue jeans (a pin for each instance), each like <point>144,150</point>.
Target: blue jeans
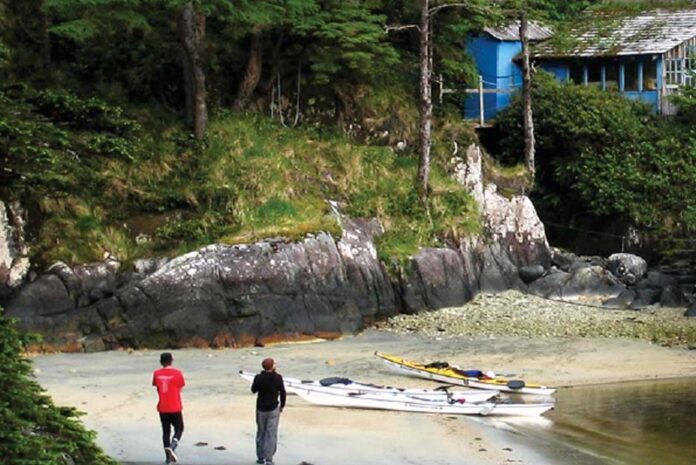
<point>267,433</point>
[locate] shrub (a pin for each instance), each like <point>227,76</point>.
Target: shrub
<point>603,157</point>
<point>83,114</point>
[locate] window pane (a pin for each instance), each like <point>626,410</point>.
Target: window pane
<point>594,73</point>
<point>612,75</point>
<point>576,73</point>
<point>630,76</point>
<point>650,75</point>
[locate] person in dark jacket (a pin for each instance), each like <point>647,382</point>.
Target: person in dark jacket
<point>269,387</point>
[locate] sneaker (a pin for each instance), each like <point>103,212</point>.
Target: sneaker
<point>269,462</point>
<point>261,461</point>
<point>175,444</point>
<point>171,456</point>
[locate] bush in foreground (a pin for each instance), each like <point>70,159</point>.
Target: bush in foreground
<point>34,431</point>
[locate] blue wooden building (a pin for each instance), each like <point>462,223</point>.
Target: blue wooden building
<point>494,51</point>
<point>646,56</point>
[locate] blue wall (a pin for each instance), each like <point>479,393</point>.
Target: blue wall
<point>509,75</point>
<point>484,50</point>
<point>495,63</point>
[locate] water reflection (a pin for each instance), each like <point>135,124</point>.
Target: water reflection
<point>632,423</point>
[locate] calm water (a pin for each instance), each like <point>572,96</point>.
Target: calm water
<point>635,423</point>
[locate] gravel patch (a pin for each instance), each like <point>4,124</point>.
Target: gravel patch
<point>516,314</point>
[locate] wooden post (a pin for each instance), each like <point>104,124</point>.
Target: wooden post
<point>441,88</point>
<point>481,112</point>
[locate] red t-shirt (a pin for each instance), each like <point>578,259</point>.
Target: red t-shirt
<point>169,382</point>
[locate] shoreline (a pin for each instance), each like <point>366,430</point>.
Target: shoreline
<point>113,388</point>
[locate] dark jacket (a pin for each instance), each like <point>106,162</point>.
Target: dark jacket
<point>268,385</point>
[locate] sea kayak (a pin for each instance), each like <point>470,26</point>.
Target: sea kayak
<point>405,403</point>
<point>448,374</point>
<point>336,384</point>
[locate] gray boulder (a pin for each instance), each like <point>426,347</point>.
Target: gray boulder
<point>550,285</point>
<point>593,280</point>
<point>590,280</point>
<point>621,301</point>
<point>672,296</point>
<point>531,273</point>
<point>645,297</point>
<point>436,279</point>
<point>659,280</point>
<point>628,268</point>
<point>691,310</point>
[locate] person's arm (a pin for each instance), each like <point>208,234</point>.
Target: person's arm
<point>153,380</point>
<point>281,388</point>
<point>255,385</point>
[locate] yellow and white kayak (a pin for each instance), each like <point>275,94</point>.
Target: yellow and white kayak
<point>448,374</point>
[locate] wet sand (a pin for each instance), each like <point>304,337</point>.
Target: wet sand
<point>114,390</point>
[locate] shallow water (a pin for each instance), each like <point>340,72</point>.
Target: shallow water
<point>641,423</point>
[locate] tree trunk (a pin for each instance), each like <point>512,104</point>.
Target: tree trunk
<point>192,33</point>
<point>267,86</point>
<point>252,73</point>
<point>529,143</point>
<point>426,105</point>
<point>188,90</point>
<point>45,39</point>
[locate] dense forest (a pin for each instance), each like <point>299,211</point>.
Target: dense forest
<point>141,127</point>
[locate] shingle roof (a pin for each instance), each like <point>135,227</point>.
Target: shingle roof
<point>650,32</point>
<point>535,31</point>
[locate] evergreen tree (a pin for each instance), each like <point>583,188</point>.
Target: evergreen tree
<point>34,431</point>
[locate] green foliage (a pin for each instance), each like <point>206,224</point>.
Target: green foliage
<point>33,430</point>
<point>601,156</point>
<point>82,114</point>
<point>685,100</point>
<point>99,191</point>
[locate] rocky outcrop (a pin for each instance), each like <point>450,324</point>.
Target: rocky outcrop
<point>513,237</point>
<point>512,224</point>
<point>219,295</point>
<point>239,295</point>
<point>14,253</point>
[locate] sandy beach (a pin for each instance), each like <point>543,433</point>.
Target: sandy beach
<point>113,389</point>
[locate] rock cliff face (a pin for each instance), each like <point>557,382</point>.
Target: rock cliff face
<point>253,294</point>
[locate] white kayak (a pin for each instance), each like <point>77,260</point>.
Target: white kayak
<point>355,387</point>
<point>406,403</point>
<point>452,375</point>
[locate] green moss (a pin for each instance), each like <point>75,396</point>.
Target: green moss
<point>603,20</point>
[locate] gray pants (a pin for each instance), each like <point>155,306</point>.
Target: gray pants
<point>267,433</point>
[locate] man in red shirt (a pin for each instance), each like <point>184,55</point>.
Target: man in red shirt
<point>169,382</point>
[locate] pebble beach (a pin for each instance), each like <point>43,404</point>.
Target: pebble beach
<point>516,314</point>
